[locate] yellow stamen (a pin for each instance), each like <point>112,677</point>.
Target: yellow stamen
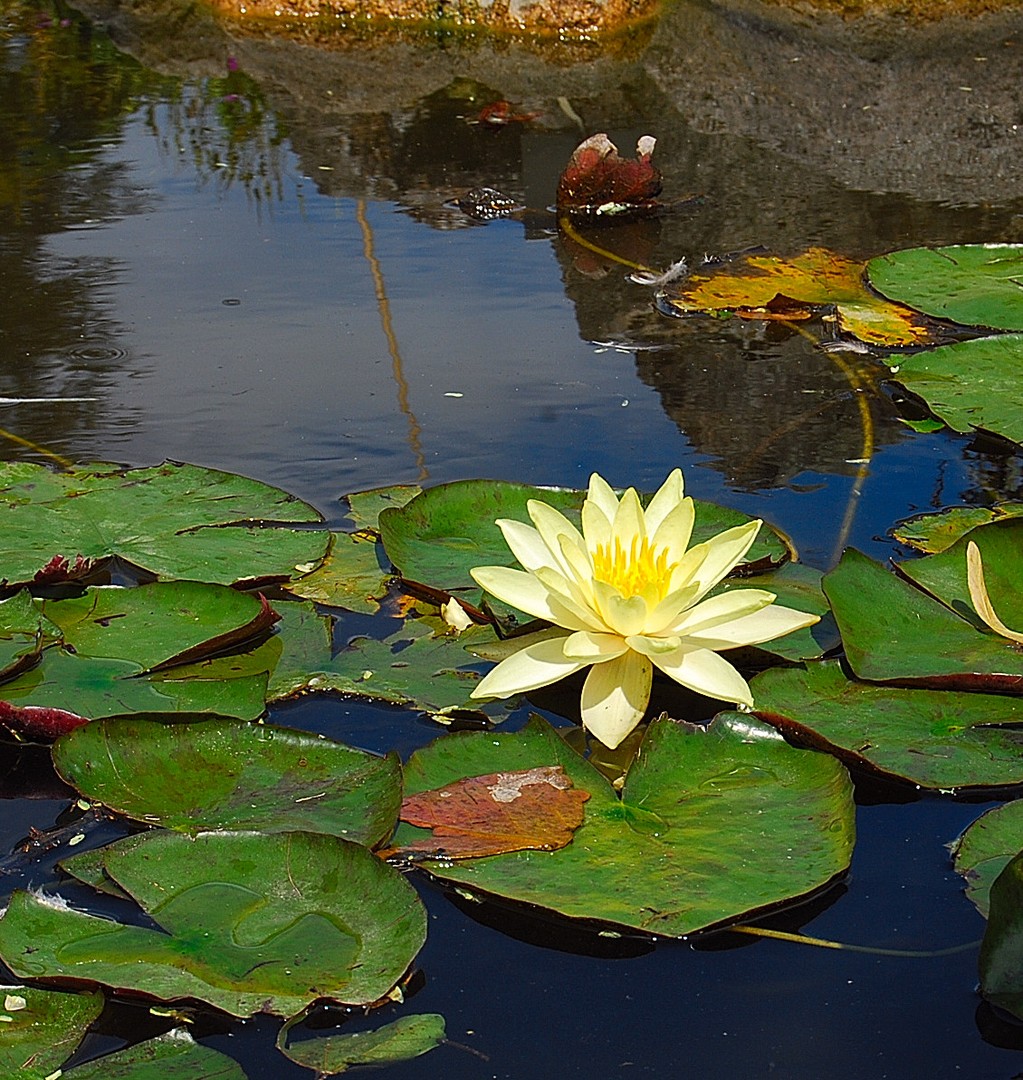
<point>636,572</point>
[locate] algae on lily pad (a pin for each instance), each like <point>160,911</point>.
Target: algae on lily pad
<point>42,1028</point>
<point>173,520</point>
<point>223,774</point>
<point>713,823</point>
<point>971,385</point>
<point>937,739</point>
<point>246,921</point>
<point>401,1040</point>
<point>973,284</point>
<point>351,576</point>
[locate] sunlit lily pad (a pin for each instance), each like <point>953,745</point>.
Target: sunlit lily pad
<point>401,1040</point>
<point>440,535</point>
<point>24,630</point>
<point>932,533</point>
<point>970,385</point>
<point>42,1028</point>
<point>974,284</point>
<point>174,1055</point>
<point>894,632</point>
<point>712,823</point>
<point>176,521</point>
<point>364,506</point>
<point>351,576</point>
<point>248,922</point>
<point>768,286</point>
<point>220,774</point>
<point>983,850</point>
<point>1001,951</point>
<point>933,738</point>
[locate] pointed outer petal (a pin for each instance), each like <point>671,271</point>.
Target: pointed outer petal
<point>578,562</point>
<point>629,522</point>
<point>596,526</point>
<point>550,524</point>
<point>667,497</point>
<point>615,697</point>
<point>524,591</point>
<point>602,495</point>
<point>623,615</point>
<point>569,605</point>
<point>590,648</point>
<point>717,611</point>
<point>710,561</point>
<point>526,544</point>
<point>675,529</point>
<point>705,672</point>
<point>528,669</point>
<point>764,625</point>
<point>670,609</point>
<point>979,595</point>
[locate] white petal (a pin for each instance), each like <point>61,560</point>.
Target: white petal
<point>710,561</point>
<point>570,605</point>
<point>667,497</point>
<point>528,593</point>
<point>623,615</point>
<point>615,697</point>
<point>534,666</point>
<point>705,672</point>
<point>551,524</point>
<point>596,526</point>
<point>670,609</point>
<point>766,625</point>
<point>629,524</point>
<point>726,607</point>
<point>675,529</point>
<point>651,646</point>
<point>591,648</point>
<point>526,544</point>
<point>601,494</point>
<point>454,615</point>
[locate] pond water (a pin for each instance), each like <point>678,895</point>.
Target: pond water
<point>255,265</point>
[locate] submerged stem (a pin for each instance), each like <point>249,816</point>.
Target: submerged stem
<point>825,943</point>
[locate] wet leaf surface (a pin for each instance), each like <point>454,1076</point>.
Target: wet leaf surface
<point>970,385</point>
<point>973,284</point>
<point>176,521</point>
<point>894,632</point>
<point>767,286</point>
<point>1001,951</point>
<point>350,577</point>
<point>172,1056</point>
<point>497,813</point>
<point>712,823</point>
<point>42,1028</point>
<point>931,533</point>
<point>983,850</point>
<point>364,506</point>
<point>936,739</point>
<point>248,922</point>
<point>220,774</point>
<point>401,1040</point>
<point>24,631</point>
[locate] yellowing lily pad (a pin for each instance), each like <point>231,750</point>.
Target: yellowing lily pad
<point>771,287</point>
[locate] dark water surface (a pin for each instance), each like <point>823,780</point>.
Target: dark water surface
<point>260,270</point>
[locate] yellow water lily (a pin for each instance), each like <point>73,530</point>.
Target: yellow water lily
<point>979,596</point>
<point>629,593</point>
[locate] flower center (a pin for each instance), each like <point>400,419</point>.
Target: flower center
<point>639,570</point>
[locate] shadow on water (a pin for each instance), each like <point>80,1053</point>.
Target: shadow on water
<point>239,247</point>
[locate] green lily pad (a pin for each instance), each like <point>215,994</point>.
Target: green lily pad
<point>176,521</point>
<point>42,1028</point>
<point>350,577</point>
<point>24,631</point>
<point>440,535</point>
<point>944,575</point>
<point>970,385</point>
<point>364,506</point>
<point>222,774</point>
<point>248,922</point>
<point>894,632</point>
<point>973,284</point>
<point>98,687</point>
<point>1001,951</point>
<point>159,625</point>
<point>933,738</point>
<point>712,824</point>
<point>174,1055</point>
<point>403,1039</point>
<point>983,850</point>
<point>932,533</point>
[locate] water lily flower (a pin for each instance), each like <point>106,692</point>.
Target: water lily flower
<point>629,593</point>
<point>979,595</point>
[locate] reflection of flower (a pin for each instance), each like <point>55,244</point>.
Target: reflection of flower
<point>630,597</point>
<point>978,595</point>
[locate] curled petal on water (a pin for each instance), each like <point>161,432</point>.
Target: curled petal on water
<point>454,615</point>
<point>979,595</point>
<point>704,672</point>
<point>528,669</point>
<point>615,697</point>
<point>764,625</point>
